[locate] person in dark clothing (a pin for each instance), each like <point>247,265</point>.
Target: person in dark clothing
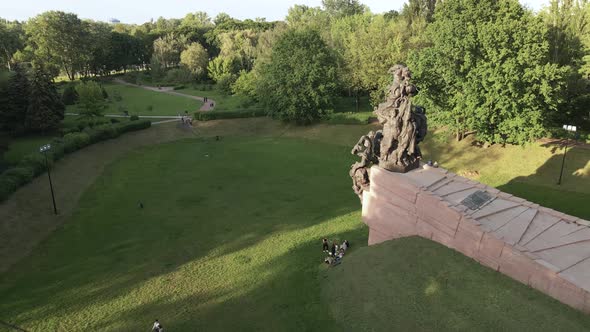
<point>333,249</point>
<point>325,245</point>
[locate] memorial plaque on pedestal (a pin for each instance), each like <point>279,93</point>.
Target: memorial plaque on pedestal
<point>476,200</point>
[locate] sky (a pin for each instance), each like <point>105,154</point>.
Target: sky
<point>140,11</point>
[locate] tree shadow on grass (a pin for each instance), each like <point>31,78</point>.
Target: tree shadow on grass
<point>112,256</point>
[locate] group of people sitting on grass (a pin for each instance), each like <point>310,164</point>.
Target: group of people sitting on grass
<point>335,252</point>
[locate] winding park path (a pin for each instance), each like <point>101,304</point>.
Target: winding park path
<point>208,106</point>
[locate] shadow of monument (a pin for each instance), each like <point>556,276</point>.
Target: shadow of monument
<point>571,197</point>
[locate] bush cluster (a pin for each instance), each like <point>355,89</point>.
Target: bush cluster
<point>214,115</point>
<point>33,164</point>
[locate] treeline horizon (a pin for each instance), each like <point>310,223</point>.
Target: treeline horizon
<point>490,67</point>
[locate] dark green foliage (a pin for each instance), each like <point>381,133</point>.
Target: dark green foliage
<point>69,95</point>
<point>488,75</point>
<point>215,115</point>
<point>300,81</point>
<point>101,132</point>
<point>75,141</point>
<point>105,95</point>
<point>179,87</point>
<point>46,109</point>
<point>16,101</point>
<point>339,8</point>
<point>134,118</point>
<point>113,120</point>
<point>124,127</point>
<point>34,161</point>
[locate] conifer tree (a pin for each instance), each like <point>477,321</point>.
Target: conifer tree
<point>45,109</point>
<point>13,112</point>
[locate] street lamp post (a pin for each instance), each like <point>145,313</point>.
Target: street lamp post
<point>44,150</point>
<point>569,129</point>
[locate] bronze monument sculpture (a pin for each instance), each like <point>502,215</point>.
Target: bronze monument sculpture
<point>394,148</point>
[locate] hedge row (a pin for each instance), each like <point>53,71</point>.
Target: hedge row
<point>214,115</point>
<point>32,165</point>
<point>349,118</point>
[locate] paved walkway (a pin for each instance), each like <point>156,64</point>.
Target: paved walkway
<point>208,106</point>
<point>165,118</point>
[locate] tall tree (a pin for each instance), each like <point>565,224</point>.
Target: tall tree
<point>339,8</point>
<point>195,59</point>
<point>167,49</point>
<point>11,40</point>
<point>59,39</point>
<point>299,82</point>
<point>487,70</point>
<point>90,99</point>
<point>45,110</point>
<point>17,100</point>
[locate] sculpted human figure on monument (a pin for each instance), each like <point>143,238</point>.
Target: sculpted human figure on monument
<point>395,148</point>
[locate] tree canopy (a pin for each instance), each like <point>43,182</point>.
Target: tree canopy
<point>491,75</point>
<point>300,80</point>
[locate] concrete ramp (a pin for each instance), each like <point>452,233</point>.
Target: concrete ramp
<point>543,248</point>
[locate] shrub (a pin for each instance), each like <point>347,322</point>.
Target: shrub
<point>178,75</point>
<point>117,96</point>
<point>34,161</point>
<point>113,120</point>
<point>69,96</point>
<point>214,115</point>
<point>20,175</point>
<point>134,118</point>
<point>57,149</point>
<point>101,132</point>
<point>179,87</point>
<point>8,185</point>
<point>124,127</point>
<point>349,118</point>
<point>149,108</point>
<point>105,95</point>
<point>75,141</point>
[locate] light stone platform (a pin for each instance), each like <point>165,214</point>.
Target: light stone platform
<point>540,247</point>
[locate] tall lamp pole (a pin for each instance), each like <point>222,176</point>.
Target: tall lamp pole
<point>569,129</point>
<point>44,150</point>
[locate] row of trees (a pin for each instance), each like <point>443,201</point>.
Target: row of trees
<point>485,66</point>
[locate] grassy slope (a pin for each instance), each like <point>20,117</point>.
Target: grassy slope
<point>413,284</point>
<point>137,100</point>
<point>229,240</point>
<point>221,236</point>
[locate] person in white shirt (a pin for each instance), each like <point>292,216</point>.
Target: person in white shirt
<point>157,326</point>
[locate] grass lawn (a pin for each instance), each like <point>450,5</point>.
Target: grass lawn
<point>138,101</point>
<point>413,284</point>
<point>229,239</point>
<point>223,102</point>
